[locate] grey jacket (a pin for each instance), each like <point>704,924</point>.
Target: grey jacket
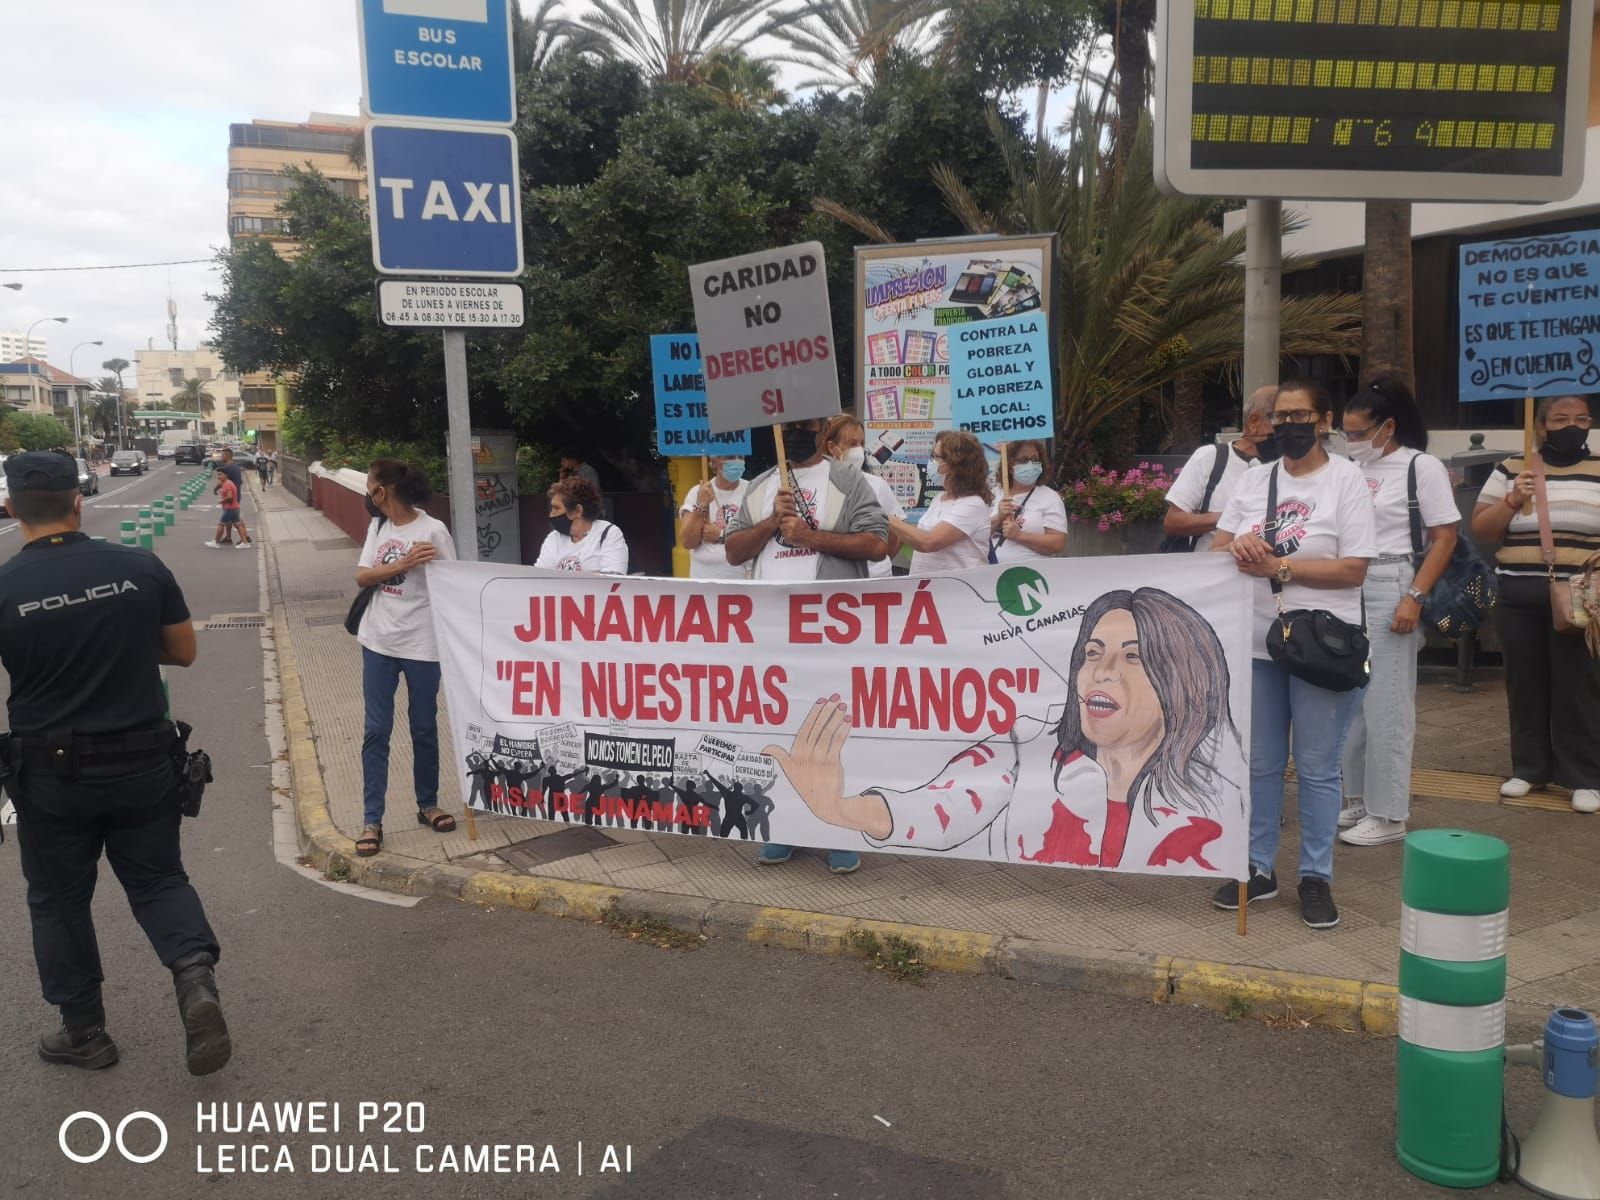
<point>851,508</point>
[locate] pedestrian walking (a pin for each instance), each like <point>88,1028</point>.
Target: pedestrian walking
<point>91,762</point>
<point>231,518</point>
<point>579,540</point>
<point>704,515</point>
<point>953,533</point>
<point>844,440</point>
<point>820,521</point>
<point>263,471</point>
<point>1552,684</point>
<point>1207,481</point>
<point>1313,555</point>
<point>397,641</point>
<point>1027,521</point>
<point>1386,437</point>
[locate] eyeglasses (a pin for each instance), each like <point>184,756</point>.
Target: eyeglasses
<point>1359,435</point>
<point>1296,416</point>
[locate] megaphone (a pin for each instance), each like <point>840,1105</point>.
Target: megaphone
<point>1561,1157</point>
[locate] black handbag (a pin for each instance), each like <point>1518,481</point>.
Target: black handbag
<point>996,538</point>
<point>1460,602</point>
<point>359,606</point>
<point>1311,643</point>
<point>1185,544</point>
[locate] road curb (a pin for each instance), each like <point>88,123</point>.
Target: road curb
<point>1232,990</point>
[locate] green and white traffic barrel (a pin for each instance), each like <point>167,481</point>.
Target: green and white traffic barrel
<point>1455,890</point>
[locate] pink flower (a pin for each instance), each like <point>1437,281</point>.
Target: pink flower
<point>1103,526</point>
<point>1116,518</point>
<point>1097,469</point>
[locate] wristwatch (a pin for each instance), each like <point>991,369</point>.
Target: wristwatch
<point>1419,597</point>
<point>1283,574</point>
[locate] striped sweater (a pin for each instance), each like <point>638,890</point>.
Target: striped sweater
<point>1574,517</point>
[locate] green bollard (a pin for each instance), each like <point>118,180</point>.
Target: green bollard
<point>158,519</point>
<point>169,505</point>
<point>1450,1060</point>
<point>130,533</point>
<point>147,539</point>
<point>183,502</point>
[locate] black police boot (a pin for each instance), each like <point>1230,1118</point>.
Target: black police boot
<point>82,1040</point>
<point>209,1046</point>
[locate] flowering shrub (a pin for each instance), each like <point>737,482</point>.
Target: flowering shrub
<point>1107,499</point>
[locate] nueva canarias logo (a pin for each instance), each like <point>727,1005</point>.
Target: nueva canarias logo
<point>1021,591</point>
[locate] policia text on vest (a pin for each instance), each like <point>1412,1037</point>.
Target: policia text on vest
<point>93,763</point>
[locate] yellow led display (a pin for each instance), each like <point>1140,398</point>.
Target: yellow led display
<point>1258,71</point>
<point>1506,15</point>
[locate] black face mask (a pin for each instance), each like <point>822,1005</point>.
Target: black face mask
<point>373,510</point>
<point>1296,441</point>
<point>799,445</point>
<point>1267,449</point>
<point>1563,447</point>
<point>562,524</point>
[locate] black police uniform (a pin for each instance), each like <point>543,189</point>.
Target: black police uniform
<point>92,762</point>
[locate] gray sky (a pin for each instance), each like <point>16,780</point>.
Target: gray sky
<point>115,116</point>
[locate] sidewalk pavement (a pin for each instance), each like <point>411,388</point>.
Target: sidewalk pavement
<point>1158,939</point>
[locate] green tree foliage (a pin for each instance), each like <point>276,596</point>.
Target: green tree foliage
<point>844,42</point>
<point>672,40</point>
<point>1010,45</point>
<point>33,431</point>
<point>193,397</point>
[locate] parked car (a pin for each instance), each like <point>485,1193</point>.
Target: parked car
<point>188,452</point>
<point>129,462</point>
<point>88,479</point>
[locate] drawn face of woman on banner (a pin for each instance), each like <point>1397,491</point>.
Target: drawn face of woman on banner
<point>1139,775</point>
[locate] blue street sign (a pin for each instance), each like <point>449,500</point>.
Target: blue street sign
<point>444,201</point>
<point>438,60</point>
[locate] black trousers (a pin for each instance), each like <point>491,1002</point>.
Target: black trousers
<point>1552,689</point>
<point>62,826</point>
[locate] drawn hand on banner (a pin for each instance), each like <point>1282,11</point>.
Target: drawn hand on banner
<point>814,767</point>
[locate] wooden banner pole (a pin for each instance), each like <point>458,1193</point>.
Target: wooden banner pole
<point>1527,448</point>
<point>1244,906</point>
<point>1005,472</point>
<point>705,471</point>
<point>783,461</point>
<point>472,823</point>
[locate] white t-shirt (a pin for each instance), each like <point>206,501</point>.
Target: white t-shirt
<point>811,496</point>
<point>399,621</point>
<point>1324,515</point>
<point>1386,481</point>
<point>891,508</point>
<point>709,560</point>
<point>1036,511</point>
<point>603,551</point>
<point>1189,490</point>
<point>971,516</point>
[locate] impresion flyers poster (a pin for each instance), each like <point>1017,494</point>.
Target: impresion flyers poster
<point>908,298</point>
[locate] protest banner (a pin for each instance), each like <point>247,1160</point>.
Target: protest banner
<point>909,301</point>
<point>1530,316</point>
<point>682,424</point>
<point>1026,714</point>
<point>767,337</point>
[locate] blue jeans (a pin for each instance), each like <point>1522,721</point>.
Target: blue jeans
<point>380,676</point>
<point>1319,719</point>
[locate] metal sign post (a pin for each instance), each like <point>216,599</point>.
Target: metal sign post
<point>1263,293</point>
<point>463,513</point>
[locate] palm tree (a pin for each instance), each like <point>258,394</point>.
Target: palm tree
<point>846,41</point>
<point>1386,346</point>
<point>536,39</point>
<point>673,41</point>
<point>107,409</point>
<point>1149,288</point>
<point>193,395</point>
<point>742,82</point>
<point>117,366</point>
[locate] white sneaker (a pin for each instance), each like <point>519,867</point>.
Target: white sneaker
<point>1515,789</point>
<point>1374,831</point>
<point>1586,800</point>
<point>1352,813</point>
<point>245,546</point>
<point>214,544</point>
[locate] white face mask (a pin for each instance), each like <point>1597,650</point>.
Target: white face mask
<point>1362,453</point>
<point>854,457</point>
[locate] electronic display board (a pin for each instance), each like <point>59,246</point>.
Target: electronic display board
<point>1374,99</point>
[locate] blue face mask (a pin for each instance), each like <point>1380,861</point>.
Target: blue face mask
<point>935,475</point>
<point>1027,473</point>
<point>733,470</point>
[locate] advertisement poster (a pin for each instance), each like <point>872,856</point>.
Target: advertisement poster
<point>1026,714</point>
<point>909,299</point>
<point>1530,316</point>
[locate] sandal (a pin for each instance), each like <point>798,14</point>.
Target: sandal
<point>370,841</point>
<point>441,821</point>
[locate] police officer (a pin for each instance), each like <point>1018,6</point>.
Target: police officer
<point>84,629</point>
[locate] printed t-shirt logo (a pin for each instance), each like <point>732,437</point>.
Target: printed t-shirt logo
<point>1291,526</point>
<point>392,551</point>
<point>1021,591</point>
<point>805,501</point>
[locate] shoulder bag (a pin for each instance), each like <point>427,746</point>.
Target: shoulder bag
<point>362,601</point>
<point>1311,643</point>
<point>994,541</point>
<point>1574,602</point>
<point>1181,544</point>
<point>1461,600</point>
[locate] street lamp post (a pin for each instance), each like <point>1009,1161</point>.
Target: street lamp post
<point>77,401</point>
<point>27,353</point>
